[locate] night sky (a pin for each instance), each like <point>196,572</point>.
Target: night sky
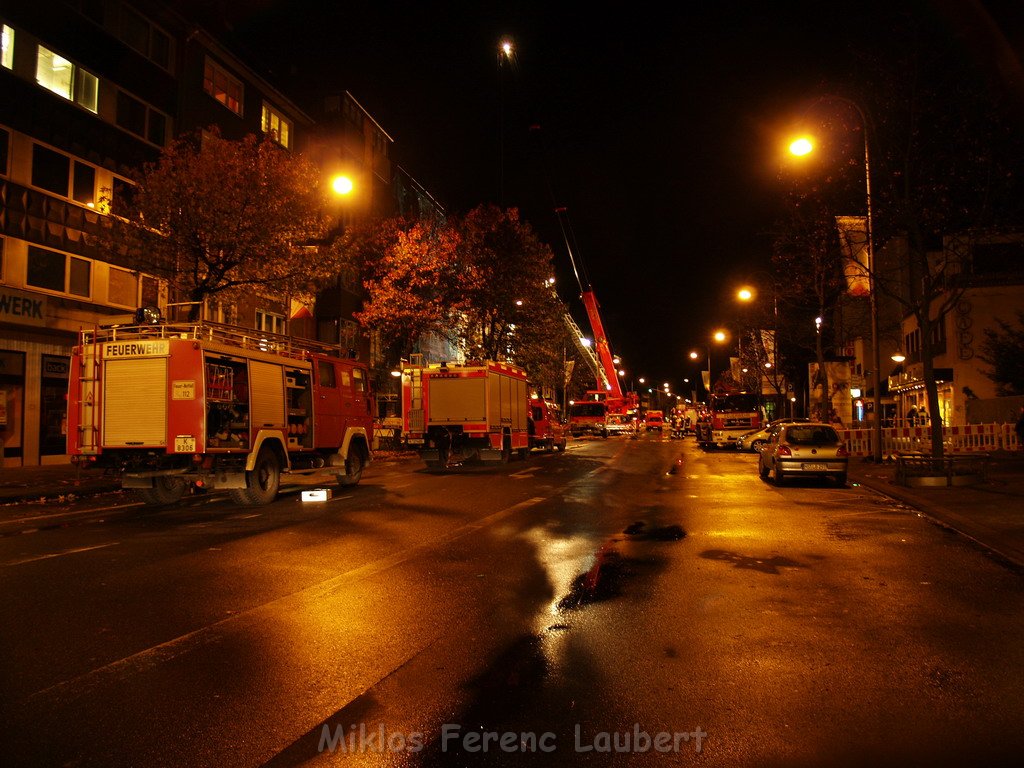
<point>659,131</point>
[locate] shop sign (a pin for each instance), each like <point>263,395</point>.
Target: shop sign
<point>22,308</point>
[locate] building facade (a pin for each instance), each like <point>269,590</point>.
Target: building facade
<point>90,90</point>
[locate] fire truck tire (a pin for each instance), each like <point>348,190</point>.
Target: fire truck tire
<point>165,490</point>
<point>560,446</point>
<point>263,481</point>
<point>354,465</point>
<point>506,450</point>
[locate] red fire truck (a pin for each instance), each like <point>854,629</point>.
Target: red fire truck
<point>166,406</point>
<point>455,414</point>
<point>727,416</point>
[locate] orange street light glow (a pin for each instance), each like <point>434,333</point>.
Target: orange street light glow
<point>801,147</point>
<point>342,185</point>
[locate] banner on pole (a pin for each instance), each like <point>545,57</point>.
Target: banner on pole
<point>853,240</point>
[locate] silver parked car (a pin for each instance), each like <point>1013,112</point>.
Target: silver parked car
<point>808,449</point>
<point>755,438</point>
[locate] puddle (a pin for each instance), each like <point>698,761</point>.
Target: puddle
<point>640,532</point>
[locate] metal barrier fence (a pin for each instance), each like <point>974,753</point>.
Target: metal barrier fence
<point>969,438</point>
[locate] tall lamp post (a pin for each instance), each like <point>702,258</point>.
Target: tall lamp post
<point>803,146</point>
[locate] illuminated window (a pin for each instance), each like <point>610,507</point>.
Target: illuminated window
<point>57,74</point>
<point>222,86</point>
<point>7,47</point>
<point>279,128</point>
<point>58,272</point>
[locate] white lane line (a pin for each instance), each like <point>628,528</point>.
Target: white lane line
<point>151,657</point>
<point>524,472</point>
<point>37,558</point>
<point>94,510</point>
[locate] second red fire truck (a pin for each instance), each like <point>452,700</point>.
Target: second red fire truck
<point>455,414</point>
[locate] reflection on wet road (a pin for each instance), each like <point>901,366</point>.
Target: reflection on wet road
<point>625,602</point>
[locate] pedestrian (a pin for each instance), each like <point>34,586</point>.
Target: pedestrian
<point>912,416</point>
<point>1019,429</point>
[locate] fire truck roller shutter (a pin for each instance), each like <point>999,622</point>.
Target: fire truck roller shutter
<point>266,394</point>
<point>521,404</point>
<point>135,402</point>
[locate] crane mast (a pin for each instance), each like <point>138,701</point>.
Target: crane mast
<point>604,352</point>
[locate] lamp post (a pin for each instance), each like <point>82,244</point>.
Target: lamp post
<point>803,146</point>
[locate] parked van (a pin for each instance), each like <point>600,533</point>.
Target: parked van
<point>655,421</point>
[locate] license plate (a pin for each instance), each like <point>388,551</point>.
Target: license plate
<point>184,444</point>
<point>815,467</point>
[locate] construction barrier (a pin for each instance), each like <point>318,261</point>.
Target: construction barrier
<point>968,438</point>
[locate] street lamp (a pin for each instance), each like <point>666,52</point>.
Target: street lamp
<point>804,146</point>
<point>342,185</point>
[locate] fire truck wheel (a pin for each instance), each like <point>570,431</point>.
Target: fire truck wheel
<point>560,446</point>
<point>353,467</point>
<point>506,450</point>
<point>165,490</point>
<point>263,482</point>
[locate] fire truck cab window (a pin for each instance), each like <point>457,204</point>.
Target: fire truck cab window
<point>325,371</point>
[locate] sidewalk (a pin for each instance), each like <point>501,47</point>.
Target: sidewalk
<point>991,513</point>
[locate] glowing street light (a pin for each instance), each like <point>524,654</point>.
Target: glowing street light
<point>803,146</point>
<point>342,184</point>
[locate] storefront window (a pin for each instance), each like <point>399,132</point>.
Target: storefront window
<point>53,406</point>
<point>12,401</point>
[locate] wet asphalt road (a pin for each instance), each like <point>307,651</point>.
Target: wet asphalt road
<point>627,593</point>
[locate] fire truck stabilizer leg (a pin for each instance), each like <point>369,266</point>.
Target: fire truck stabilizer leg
<point>262,482</point>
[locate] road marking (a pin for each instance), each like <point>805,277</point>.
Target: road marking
<point>524,472</point>
<point>37,558</point>
<point>92,511</point>
<point>149,658</point>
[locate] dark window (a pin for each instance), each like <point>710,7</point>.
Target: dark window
<point>131,114</point>
<point>325,370</point>
<point>998,258</point>
<point>160,48</point>
<point>5,140</point>
<point>135,30</point>
<point>50,170</point>
<point>84,190</point>
<point>45,269</point>
<point>157,132</point>
<point>150,292</point>
<point>121,193</point>
<point>78,282</point>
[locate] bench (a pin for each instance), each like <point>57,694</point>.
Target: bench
<point>921,470</point>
